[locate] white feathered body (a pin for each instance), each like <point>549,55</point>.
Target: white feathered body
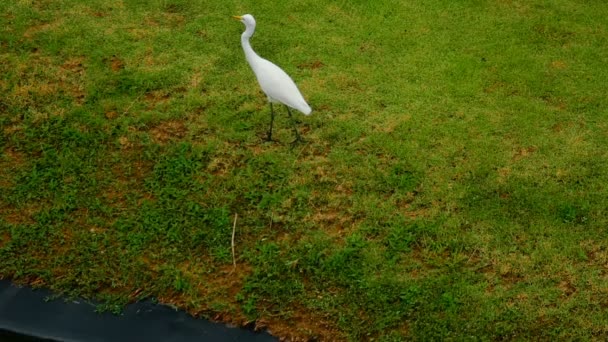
<point>278,86</point>
<point>275,82</point>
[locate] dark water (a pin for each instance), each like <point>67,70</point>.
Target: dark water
<point>25,315</point>
<point>7,336</point>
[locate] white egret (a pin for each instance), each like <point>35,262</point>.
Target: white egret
<point>277,85</point>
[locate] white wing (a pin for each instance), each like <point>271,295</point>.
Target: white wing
<point>279,86</point>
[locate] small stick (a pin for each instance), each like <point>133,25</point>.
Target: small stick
<point>233,231</point>
<point>132,103</point>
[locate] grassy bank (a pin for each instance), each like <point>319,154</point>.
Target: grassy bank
<point>452,182</point>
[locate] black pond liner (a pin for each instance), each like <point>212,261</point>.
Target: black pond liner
<point>27,315</point>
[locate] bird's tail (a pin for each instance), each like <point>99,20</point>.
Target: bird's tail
<point>304,108</point>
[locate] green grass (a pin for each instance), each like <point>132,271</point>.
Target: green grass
<point>452,184</point>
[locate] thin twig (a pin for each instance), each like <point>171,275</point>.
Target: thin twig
<point>299,153</point>
<point>233,231</point>
<point>132,103</point>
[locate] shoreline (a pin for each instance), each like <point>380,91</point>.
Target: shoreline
<point>28,315</point>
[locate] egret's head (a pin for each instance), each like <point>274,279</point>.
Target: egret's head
<point>246,19</point>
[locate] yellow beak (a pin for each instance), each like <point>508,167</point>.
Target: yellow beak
<point>237,17</point>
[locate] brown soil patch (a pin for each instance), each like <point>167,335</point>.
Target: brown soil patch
<point>74,65</point>
<point>129,174</point>
<point>172,17</point>
<point>124,142</point>
<point>10,129</point>
<point>70,75</point>
<point>503,174</point>
<point>19,216</point>
<point>558,127</point>
<point>112,114</point>
<point>415,213</point>
<point>196,79</point>
<point>42,76</point>
<point>563,126</point>
<point>26,91</point>
<point>116,64</point>
<point>567,288</point>
<point>328,217</point>
<point>219,166</point>
<point>311,65</point>
<point>335,223</point>
<point>141,169</point>
<point>157,97</point>
<point>41,28</point>
<point>559,65</point>
<point>114,196</point>
<point>597,254</point>
<point>5,237</point>
<point>301,325</point>
<point>493,87</point>
<point>510,271</point>
<point>169,130</point>
<point>15,158</point>
<point>13,217</point>
<point>524,152</point>
<point>98,14</point>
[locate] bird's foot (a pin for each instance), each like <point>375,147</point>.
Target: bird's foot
<point>296,142</point>
<point>268,138</point>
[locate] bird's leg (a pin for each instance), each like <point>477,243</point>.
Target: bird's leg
<point>295,129</point>
<point>269,133</point>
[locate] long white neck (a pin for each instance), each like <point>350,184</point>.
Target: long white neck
<point>250,55</point>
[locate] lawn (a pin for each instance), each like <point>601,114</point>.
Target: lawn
<point>453,182</point>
